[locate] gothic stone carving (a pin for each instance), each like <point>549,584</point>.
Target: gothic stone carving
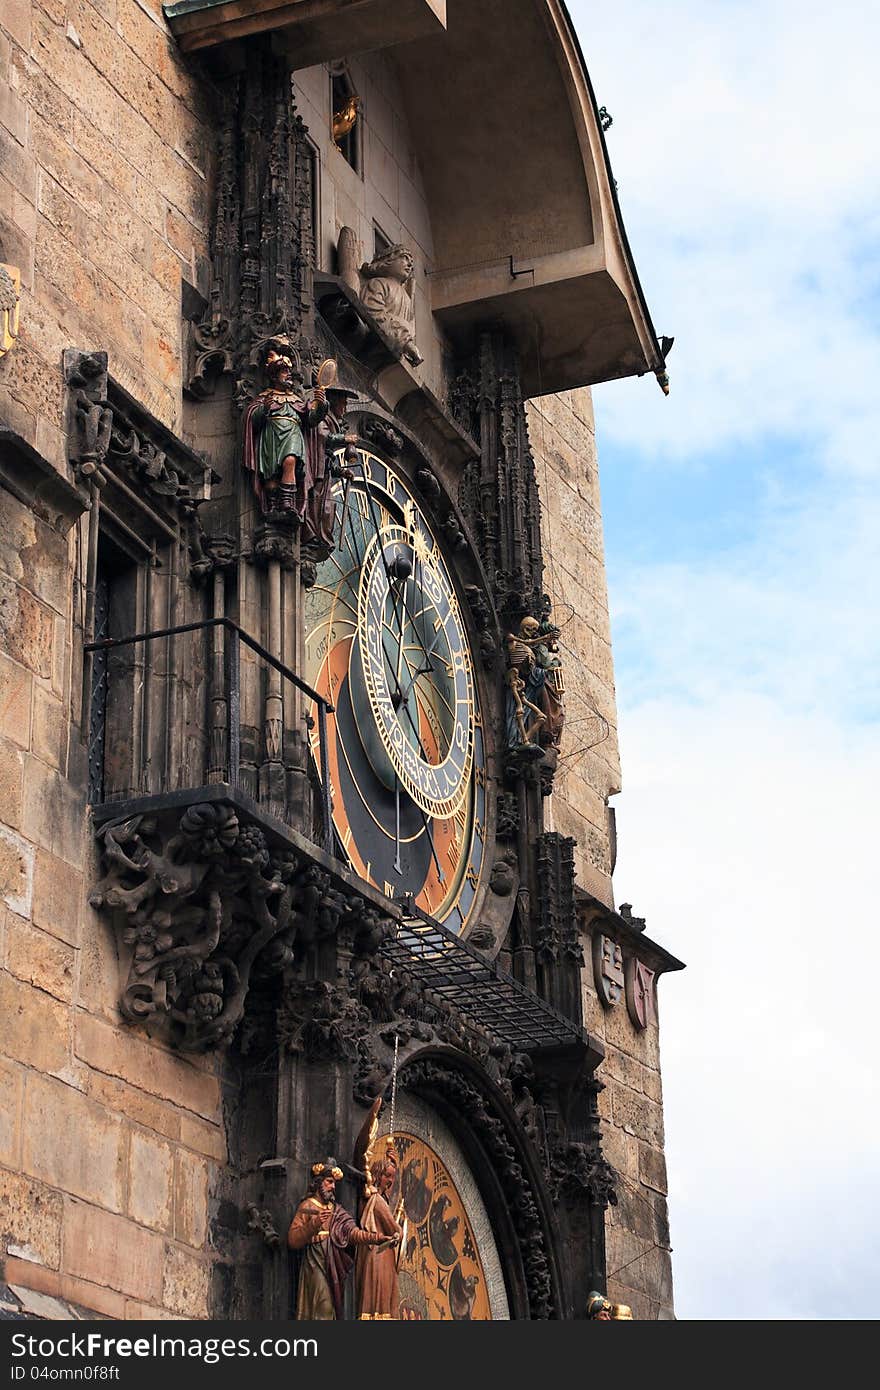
<point>382,433</point>
<point>90,413</point>
<point>435,1076</point>
<point>208,907</point>
<point>639,993</point>
<point>106,428</point>
<point>262,255</point>
<point>580,1172</point>
<point>607,969</point>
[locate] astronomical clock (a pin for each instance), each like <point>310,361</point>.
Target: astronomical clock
<point>387,646</point>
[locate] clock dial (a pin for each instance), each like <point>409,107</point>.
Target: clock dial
<point>386,644</point>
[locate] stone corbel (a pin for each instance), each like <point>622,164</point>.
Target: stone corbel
<point>206,905</point>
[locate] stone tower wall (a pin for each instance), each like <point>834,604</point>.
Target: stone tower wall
<point>108,1144</point>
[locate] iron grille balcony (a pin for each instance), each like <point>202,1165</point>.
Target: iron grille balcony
<point>213,751</point>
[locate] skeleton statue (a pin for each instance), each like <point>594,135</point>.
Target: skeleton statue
<point>534,682</point>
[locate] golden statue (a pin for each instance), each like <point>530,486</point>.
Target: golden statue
<point>344,119</point>
<point>378,1298</point>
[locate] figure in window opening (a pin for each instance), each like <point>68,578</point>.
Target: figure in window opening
<point>285,448</point>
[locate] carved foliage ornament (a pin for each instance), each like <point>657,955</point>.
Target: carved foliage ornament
<point>206,908</point>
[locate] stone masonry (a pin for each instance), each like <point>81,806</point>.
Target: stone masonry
<point>104,153</point>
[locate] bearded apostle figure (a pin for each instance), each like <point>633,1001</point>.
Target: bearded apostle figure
<point>327,1235</point>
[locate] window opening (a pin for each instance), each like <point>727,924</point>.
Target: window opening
<point>345,117</point>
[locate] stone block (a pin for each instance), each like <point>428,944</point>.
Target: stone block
<point>99,156</point>
<point>146,1312</point>
<point>58,897</point>
<point>621,1151</point>
<point>71,71</point>
<point>204,1138</point>
<point>151,1173</point>
<point>11,1089</point>
<point>653,1085</point>
<point>24,1274</point>
<point>13,114</point>
<point>619,1066</point>
<point>51,442</point>
<point>119,1053</point>
<point>41,93</point>
<point>190,1199</point>
<point>35,1026</point>
<point>30,1219</point>
<point>639,1043</point>
<point>49,729</point>
<point>66,166</point>
<point>19,166</point>
<point>594,1010</point>
<point>41,960</point>
<point>15,687</point>
<point>635,1210</point>
<point>93,1170</point>
<point>637,1115</point>
<point>112,1252</point>
<point>92,1296</point>
<point>60,657</point>
<point>11,772</point>
<point>652,1168</point>
<point>136,1105</point>
<point>17,21</point>
<point>156,48</point>
<point>180,236</point>
<point>186,1283</point>
<point>101,977</point>
<point>26,628</point>
<point>53,811</point>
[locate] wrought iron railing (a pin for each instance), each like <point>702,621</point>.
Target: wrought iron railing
<point>483,994</point>
<point>218,720</point>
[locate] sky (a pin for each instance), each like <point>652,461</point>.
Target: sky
<point>742,527</point>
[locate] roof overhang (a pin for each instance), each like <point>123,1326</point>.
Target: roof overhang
<point>315,31</point>
<point>525,226</point>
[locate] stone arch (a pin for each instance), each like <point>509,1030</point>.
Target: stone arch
<point>508,1171</point>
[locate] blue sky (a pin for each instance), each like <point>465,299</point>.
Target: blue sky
<point>742,524</point>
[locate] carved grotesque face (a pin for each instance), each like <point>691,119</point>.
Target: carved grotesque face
<point>529,627</point>
<point>279,368</point>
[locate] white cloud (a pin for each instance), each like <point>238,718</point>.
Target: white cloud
<point>747,836</point>
<point>744,145</point>
<point>744,140</point>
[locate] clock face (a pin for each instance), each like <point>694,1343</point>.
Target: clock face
<point>386,645</point>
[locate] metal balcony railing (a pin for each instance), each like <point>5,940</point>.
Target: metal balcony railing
<point>212,729</point>
<point>486,996</point>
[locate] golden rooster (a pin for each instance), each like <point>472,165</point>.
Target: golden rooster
<point>344,119</point>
